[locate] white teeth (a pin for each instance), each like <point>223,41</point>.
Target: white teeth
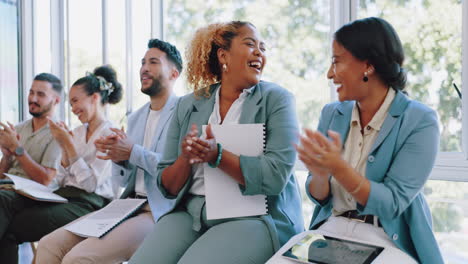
<point>336,85</point>
<point>255,64</point>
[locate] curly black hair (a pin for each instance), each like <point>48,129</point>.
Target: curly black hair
<point>92,84</point>
<point>171,51</point>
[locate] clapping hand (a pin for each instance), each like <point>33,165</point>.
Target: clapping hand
<point>320,155</point>
<point>6,152</point>
<point>117,146</point>
<point>9,139</point>
<point>199,150</point>
<point>60,132</point>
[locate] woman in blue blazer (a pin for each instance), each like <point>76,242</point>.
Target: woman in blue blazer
<point>389,146</point>
<point>225,62</point>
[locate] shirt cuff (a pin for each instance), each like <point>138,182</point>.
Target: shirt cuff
<point>77,167</point>
<point>136,154</point>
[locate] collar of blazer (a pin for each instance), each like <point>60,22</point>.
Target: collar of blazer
<point>163,120</point>
<point>251,105</point>
<point>340,122</point>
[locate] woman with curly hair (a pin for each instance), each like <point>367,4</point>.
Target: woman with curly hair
<point>225,63</point>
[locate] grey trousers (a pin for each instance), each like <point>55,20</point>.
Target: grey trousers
<point>173,240</point>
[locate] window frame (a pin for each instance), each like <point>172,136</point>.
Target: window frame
<point>450,166</point>
<point>26,54</point>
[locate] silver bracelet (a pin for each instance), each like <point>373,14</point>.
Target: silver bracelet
<point>358,187</point>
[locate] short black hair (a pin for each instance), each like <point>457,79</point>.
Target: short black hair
<point>375,40</point>
<point>52,79</point>
<point>171,51</point>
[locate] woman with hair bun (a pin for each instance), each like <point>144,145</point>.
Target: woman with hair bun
<point>374,149</point>
<point>88,97</point>
<point>225,63</point>
<point>82,178</point>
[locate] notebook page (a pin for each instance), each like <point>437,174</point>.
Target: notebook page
<point>223,195</point>
<point>25,184</point>
<point>98,223</point>
<point>34,190</point>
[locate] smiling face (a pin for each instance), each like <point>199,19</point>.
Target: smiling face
<point>42,98</point>
<point>245,59</point>
<point>347,73</point>
<point>83,106</point>
<point>155,72</point>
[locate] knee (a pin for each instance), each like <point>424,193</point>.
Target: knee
<point>52,247</point>
<point>77,257</point>
<point>47,249</point>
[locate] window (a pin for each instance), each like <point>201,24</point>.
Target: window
<point>115,51</point>
<point>141,33</point>
<point>433,49</point>
<point>9,62</point>
<point>72,37</point>
<point>449,206</point>
<point>83,42</point>
<point>42,28</point>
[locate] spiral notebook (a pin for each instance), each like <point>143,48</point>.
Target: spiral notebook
<point>30,189</point>
<point>101,222</point>
<point>223,194</point>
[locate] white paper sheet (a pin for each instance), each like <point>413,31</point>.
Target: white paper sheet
<point>223,194</point>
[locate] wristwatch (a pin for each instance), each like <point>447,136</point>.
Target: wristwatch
<point>19,151</point>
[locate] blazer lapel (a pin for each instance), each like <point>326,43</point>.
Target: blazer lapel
<point>138,132</point>
<point>397,108</point>
<point>140,124</point>
<point>340,121</point>
<point>163,120</point>
<point>202,109</point>
<point>252,106</point>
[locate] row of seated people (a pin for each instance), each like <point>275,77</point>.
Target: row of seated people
<point>369,159</point>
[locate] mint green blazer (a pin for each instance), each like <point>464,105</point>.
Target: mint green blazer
<point>270,174</point>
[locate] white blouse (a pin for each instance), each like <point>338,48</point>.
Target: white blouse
<point>88,172</point>
<point>232,117</point>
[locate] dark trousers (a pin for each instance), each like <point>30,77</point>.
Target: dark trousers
<point>25,220</point>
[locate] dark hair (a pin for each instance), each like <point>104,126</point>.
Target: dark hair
<point>374,39</point>
<point>93,83</point>
<point>171,51</point>
<point>52,79</point>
